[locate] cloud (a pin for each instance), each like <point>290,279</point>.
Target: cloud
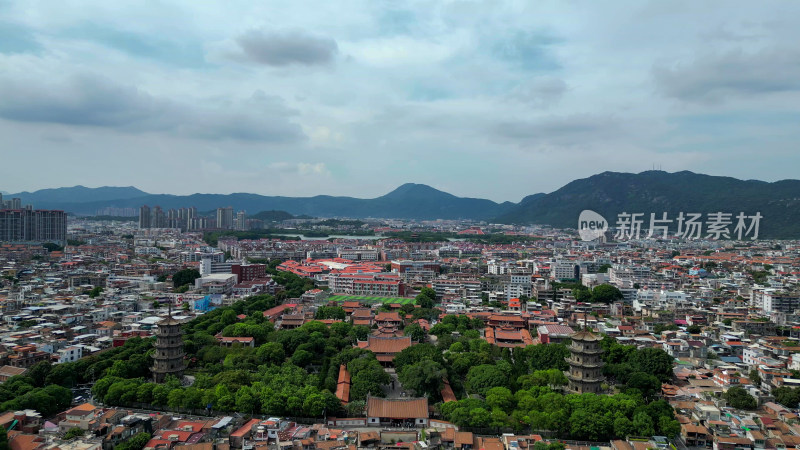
<point>526,50</point>
<point>138,44</point>
<point>300,168</point>
<point>284,48</point>
<point>15,38</point>
<point>312,169</point>
<point>400,51</point>
<point>567,131</point>
<point>718,77</point>
<point>88,100</point>
<point>540,92</point>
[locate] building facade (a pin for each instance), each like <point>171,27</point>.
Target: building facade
<point>33,225</point>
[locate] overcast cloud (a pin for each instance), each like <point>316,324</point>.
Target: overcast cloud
<point>480,98</point>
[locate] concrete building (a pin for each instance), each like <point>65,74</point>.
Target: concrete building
<point>518,285</point>
<point>780,301</point>
<point>33,225</point>
<point>225,218</point>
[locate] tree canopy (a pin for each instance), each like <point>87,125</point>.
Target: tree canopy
<point>184,277</point>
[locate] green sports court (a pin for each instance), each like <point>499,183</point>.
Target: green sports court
<point>370,300</point>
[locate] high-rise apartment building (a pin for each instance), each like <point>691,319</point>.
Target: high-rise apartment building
<point>241,220</point>
<point>144,217</point>
<point>225,217</point>
<point>33,225</point>
<point>14,203</point>
<point>159,219</point>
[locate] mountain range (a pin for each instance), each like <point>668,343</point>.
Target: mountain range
<point>611,193</point>
<point>409,201</point>
<point>608,193</point>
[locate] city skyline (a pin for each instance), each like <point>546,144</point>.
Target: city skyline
<point>280,100</point>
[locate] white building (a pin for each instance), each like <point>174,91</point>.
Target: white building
<point>69,354</point>
<point>216,283</point>
<point>518,285</point>
<point>775,300</point>
<point>564,269</point>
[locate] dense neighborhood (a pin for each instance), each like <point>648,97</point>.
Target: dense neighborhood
<point>394,334</point>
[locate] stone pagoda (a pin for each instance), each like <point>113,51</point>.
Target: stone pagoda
<point>168,357</point>
<point>585,363</point>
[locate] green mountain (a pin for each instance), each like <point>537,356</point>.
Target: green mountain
<point>611,193</point>
<point>272,216</point>
<point>608,194</point>
<point>409,201</point>
<point>77,194</point>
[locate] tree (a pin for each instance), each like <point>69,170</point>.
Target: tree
<point>486,376</point>
<point>694,329</point>
<point>668,426</point>
<point>51,247</point>
<point>654,361</point>
<point>72,433</point>
<point>302,358</point>
<point>185,276</point>
<point>271,353</point>
<point>582,295</point>
<point>425,378</point>
<point>4,439</point>
<point>500,398</point>
<point>623,427</point>
<point>585,424</point>
<point>755,378</point>
<point>551,377</point>
<point>39,372</point>
<point>330,312</point>
<point>428,292</point>
<point>415,331</point>
<point>135,442</point>
<point>606,293</point>
<point>550,356</point>
<point>423,301</point>
<point>95,291</point>
<point>245,401</point>
<point>415,354</point>
<point>367,377</point>
<point>647,384</point>
<point>738,398</point>
<point>643,425</point>
<point>787,396</point>
<point>662,327</point>
<point>175,398</point>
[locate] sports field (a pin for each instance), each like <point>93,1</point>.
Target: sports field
<point>370,300</point>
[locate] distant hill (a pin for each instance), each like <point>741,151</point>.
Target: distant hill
<point>409,201</point>
<point>608,193</point>
<point>272,216</point>
<point>46,198</point>
<point>611,193</point>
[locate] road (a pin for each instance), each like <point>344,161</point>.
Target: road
<point>394,389</point>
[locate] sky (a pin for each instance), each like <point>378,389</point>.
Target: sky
<point>488,99</point>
